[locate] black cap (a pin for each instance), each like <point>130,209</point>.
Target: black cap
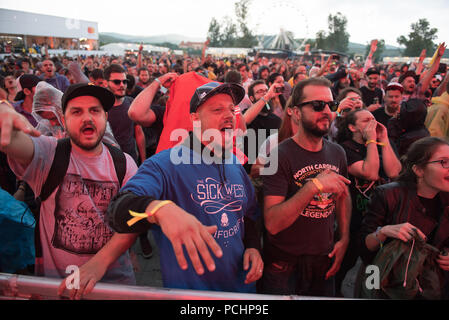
<point>204,92</point>
<point>371,71</point>
<point>105,96</point>
<point>27,81</point>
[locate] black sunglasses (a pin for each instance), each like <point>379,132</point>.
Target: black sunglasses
<point>319,105</point>
<point>117,81</point>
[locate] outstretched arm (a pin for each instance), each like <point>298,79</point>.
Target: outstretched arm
<point>15,131</point>
<point>425,80</point>
<point>93,270</point>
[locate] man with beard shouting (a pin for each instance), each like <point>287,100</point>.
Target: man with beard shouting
<point>303,198</point>
<point>72,226</point>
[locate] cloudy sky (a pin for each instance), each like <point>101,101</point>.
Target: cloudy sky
<point>381,19</point>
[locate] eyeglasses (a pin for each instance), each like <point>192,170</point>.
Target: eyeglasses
<point>117,81</point>
<point>444,163</point>
<point>319,105</point>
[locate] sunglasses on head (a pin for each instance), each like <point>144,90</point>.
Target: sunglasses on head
<point>319,105</point>
<point>117,81</point>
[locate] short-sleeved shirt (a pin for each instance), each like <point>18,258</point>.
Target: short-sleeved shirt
<point>73,226</point>
<point>381,116</point>
<point>313,231</point>
<point>369,95</point>
<point>123,127</point>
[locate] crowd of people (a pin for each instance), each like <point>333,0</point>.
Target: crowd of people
<point>255,174</point>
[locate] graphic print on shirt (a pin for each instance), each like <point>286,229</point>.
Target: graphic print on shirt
<point>322,204</point>
<point>224,200</point>
<point>80,206</point>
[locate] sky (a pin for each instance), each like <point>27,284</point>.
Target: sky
<point>380,19</point>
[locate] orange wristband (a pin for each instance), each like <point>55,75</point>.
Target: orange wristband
<point>318,184</point>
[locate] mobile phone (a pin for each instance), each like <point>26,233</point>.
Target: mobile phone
<point>376,100</point>
<point>335,57</point>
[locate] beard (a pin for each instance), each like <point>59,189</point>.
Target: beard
<point>86,146</point>
<point>392,109</point>
<point>313,129</point>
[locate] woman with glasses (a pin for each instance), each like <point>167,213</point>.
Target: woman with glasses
<point>418,202</point>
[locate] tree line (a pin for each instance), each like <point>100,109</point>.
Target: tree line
<point>237,34</point>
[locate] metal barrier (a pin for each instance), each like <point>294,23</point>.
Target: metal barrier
<point>19,287</point>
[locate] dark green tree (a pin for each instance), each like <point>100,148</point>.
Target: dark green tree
<point>421,37</point>
<point>247,39</point>
<point>337,38</point>
<point>214,33</point>
<point>229,35</point>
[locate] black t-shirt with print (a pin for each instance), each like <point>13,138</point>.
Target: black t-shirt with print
<point>313,231</point>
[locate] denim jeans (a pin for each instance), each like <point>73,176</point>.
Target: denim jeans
<point>305,276</point>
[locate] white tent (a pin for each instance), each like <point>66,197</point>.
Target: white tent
<point>120,48</point>
<point>284,40</point>
<point>226,52</point>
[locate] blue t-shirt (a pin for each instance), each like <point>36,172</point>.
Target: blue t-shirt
<point>216,194</point>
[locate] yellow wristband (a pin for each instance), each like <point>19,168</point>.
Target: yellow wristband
<point>139,216</point>
<point>374,141</point>
<point>318,184</point>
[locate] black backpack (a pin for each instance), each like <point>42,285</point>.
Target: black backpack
<point>58,171</point>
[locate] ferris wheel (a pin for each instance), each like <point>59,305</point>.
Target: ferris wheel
<point>279,24</point>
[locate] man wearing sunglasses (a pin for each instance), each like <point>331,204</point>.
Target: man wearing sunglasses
<point>128,134</point>
<point>303,199</point>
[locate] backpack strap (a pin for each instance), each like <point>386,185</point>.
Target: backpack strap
<point>58,168</point>
<point>119,159</point>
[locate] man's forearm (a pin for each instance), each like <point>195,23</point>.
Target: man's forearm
<point>282,215</point>
<point>391,164</point>
<point>253,111</point>
<point>21,148</point>
<point>140,109</point>
<point>343,211</point>
<point>140,140</point>
<point>114,248</point>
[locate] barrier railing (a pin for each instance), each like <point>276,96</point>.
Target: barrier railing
<point>19,287</point>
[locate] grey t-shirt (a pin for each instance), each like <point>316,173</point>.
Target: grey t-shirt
<point>313,231</point>
<point>72,223</point>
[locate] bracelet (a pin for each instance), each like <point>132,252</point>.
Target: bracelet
<point>318,184</point>
<point>139,216</point>
<point>158,81</point>
<point>381,243</point>
<point>374,141</point>
<point>264,100</point>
